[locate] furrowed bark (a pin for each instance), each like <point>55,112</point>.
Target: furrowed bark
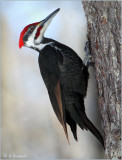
<point>103,32</point>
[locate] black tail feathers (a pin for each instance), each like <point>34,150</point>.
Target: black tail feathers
<point>92,129</point>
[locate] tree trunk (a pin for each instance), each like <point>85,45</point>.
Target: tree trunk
<point>103,22</point>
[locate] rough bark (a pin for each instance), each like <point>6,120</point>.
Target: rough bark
<point>103,22</point>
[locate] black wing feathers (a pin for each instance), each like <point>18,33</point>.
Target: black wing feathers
<point>51,74</point>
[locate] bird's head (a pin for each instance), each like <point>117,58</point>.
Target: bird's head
<point>32,34</point>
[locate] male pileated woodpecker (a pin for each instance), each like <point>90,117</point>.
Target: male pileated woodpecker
<point>65,76</point>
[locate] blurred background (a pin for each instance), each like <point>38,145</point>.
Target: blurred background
<point>30,128</point>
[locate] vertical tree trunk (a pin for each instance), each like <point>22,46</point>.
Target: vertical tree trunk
<point>103,20</point>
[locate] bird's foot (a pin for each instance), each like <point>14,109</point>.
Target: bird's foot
<point>88,58</point>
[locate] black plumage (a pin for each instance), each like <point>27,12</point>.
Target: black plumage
<point>65,76</point>
<point>64,71</point>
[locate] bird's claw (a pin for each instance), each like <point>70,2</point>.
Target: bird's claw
<point>88,58</point>
<point>87,47</point>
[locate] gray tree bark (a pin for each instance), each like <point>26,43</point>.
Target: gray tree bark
<point>103,31</point>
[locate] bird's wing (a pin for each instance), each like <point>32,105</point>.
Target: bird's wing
<point>57,92</point>
<point>59,108</point>
<point>49,67</point>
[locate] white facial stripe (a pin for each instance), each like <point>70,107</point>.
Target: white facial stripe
<point>30,41</point>
<point>41,46</point>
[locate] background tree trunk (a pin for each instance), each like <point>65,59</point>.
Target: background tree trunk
<point>103,20</point>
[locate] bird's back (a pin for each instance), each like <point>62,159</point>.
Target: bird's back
<point>73,73</point>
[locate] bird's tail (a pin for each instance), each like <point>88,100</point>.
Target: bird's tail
<point>92,129</point>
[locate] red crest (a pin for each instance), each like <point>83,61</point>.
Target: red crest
<point>21,43</point>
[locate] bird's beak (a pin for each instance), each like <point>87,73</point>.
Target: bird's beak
<point>42,26</point>
<point>48,19</point>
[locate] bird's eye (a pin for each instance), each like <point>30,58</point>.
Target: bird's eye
<point>31,27</point>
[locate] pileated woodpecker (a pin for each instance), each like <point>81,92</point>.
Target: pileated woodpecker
<point>64,74</point>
